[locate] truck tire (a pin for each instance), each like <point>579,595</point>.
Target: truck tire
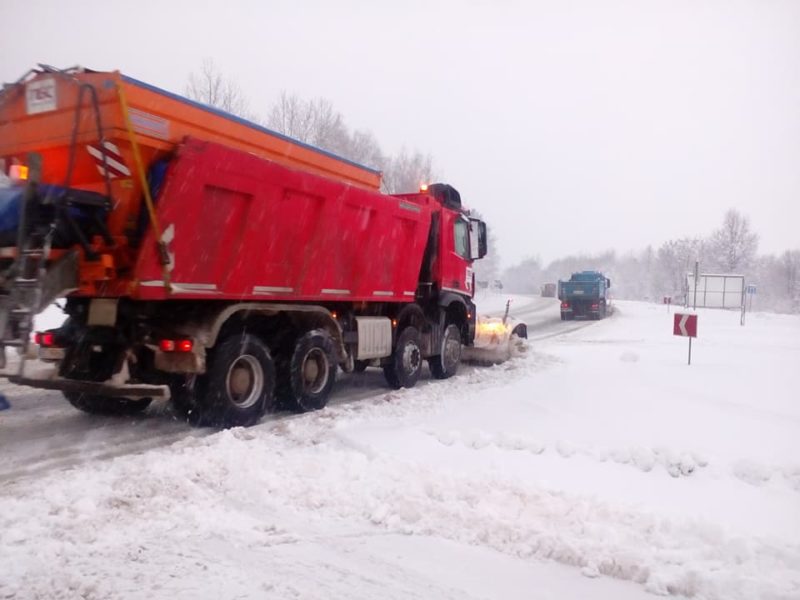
<point>311,373</point>
<point>405,363</point>
<point>183,396</point>
<point>239,385</point>
<point>445,364</point>
<point>106,405</point>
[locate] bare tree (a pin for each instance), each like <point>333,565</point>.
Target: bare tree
<point>364,148</point>
<point>487,269</point>
<point>524,278</point>
<point>210,87</point>
<point>674,260</point>
<point>790,266</point>
<point>405,172</point>
<point>314,121</point>
<point>732,247</point>
<point>318,123</point>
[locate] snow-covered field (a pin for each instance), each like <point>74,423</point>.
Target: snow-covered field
<point>598,466</point>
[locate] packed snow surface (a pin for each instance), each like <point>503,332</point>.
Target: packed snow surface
<point>598,465</point>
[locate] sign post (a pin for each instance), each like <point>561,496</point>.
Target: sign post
<point>685,325</point>
<point>750,290</point>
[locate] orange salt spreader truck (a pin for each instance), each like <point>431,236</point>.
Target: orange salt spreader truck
<point>210,261</point>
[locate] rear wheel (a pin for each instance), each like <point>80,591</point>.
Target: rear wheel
<point>239,386</point>
<point>405,363</point>
<point>307,381</point>
<point>446,363</point>
<point>106,405</point>
<point>183,396</point>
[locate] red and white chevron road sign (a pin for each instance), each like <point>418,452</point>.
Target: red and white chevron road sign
<point>685,325</point>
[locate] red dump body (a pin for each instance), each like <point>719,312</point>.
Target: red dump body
<point>240,227</point>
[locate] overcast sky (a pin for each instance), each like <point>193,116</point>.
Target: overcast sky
<point>572,126</point>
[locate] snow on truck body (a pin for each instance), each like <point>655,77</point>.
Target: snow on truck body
<point>211,261</point>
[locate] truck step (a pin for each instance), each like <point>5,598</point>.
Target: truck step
<point>21,282</point>
<point>12,343</point>
<point>33,252</point>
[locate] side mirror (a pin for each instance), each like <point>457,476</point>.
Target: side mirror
<point>608,283</point>
<point>478,242</point>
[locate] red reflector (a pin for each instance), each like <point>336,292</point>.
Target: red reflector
<point>565,305</point>
<point>167,345</point>
<point>595,306</point>
<point>184,345</point>
<point>48,339</point>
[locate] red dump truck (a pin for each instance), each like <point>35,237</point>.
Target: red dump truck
<point>212,262</point>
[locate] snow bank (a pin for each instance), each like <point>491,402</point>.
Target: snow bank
<point>493,302</point>
<point>674,480</point>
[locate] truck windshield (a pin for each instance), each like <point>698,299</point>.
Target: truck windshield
<point>462,238</point>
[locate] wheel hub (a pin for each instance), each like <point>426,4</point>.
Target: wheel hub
<point>411,358</point>
<point>245,381</point>
<point>452,351</point>
<point>315,371</point>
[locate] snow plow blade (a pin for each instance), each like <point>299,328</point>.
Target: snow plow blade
<point>497,340</point>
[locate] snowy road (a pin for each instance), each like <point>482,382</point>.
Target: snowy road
<point>597,466</point>
<point>43,432</point>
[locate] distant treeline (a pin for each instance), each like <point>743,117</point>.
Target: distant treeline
<point>656,272</point>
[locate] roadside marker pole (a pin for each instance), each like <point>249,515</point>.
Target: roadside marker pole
<point>685,325</point>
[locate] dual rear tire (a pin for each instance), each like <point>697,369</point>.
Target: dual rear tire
<point>237,389</point>
<point>306,381</point>
<point>243,383</point>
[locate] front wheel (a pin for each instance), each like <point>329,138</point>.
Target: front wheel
<point>239,386</point>
<point>405,363</point>
<point>446,363</point>
<point>105,405</point>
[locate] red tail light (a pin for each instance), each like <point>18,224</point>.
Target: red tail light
<point>176,345</point>
<point>565,305</point>
<point>46,339</point>
<point>595,306</point>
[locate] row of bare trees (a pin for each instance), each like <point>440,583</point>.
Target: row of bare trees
<point>657,272</point>
<point>316,122</point>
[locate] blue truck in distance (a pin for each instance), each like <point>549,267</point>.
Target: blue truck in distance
<point>584,295</point>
